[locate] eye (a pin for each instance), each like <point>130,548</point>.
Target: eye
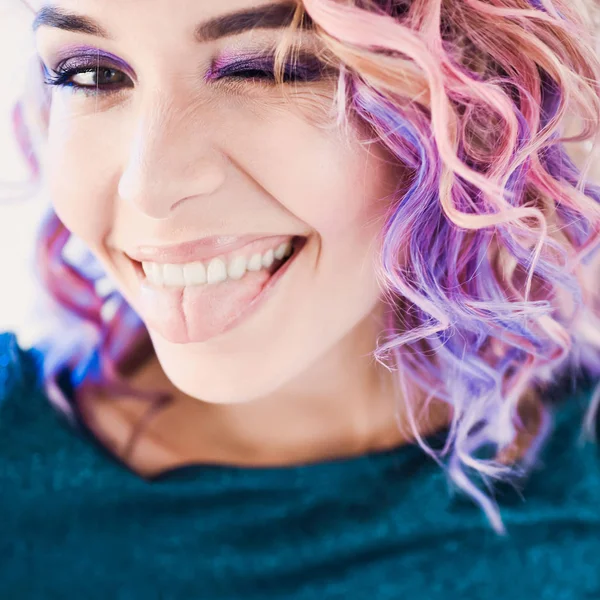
<point>90,79</point>
<point>86,76</point>
<point>262,69</point>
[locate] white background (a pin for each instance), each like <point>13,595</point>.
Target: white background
<point>18,219</point>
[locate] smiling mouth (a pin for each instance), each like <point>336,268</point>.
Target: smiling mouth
<point>262,257</point>
<point>193,302</point>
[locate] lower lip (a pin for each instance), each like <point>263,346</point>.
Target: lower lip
<point>171,311</point>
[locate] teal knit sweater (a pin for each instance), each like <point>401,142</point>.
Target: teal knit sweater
<point>75,523</point>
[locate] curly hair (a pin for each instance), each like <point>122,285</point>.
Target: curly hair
<point>490,249</point>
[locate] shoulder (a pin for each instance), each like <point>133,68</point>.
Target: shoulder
<point>21,412</point>
<point>559,497</point>
<point>563,471</point>
<point>19,372</point>
<point>40,448</point>
<point>551,518</point>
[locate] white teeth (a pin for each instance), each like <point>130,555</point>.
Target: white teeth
<point>194,273</point>
<point>173,275</point>
<point>158,275</point>
<point>255,263</point>
<point>197,273</point>
<point>268,258</point>
<point>216,272</point>
<point>153,273</point>
<point>283,250</point>
<point>237,268</point>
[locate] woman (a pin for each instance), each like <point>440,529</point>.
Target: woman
<point>339,258</point>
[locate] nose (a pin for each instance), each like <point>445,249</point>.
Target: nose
<point>170,158</point>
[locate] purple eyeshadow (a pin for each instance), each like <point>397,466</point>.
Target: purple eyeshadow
<point>305,68</point>
<point>83,55</point>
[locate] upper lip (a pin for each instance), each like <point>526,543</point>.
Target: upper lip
<point>196,250</point>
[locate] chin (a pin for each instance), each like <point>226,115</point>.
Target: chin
<point>220,378</point>
<point>218,390</point>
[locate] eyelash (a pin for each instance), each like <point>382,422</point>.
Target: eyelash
<point>252,71</point>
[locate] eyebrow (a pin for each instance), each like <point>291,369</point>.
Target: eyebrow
<point>268,16</point>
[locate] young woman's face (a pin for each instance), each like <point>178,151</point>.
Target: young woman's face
<point>189,175</point>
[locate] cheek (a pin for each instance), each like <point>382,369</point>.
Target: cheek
<point>79,173</point>
<point>336,184</point>
<point>341,189</point>
<point>354,195</point>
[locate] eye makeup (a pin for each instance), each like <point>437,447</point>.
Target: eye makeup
<point>303,68</point>
<point>80,60</point>
<point>76,56</point>
<point>251,68</point>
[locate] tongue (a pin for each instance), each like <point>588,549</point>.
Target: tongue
<point>198,313</point>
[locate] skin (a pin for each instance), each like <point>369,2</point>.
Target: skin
<point>176,158</point>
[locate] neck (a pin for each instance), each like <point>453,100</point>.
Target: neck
<point>344,404</point>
